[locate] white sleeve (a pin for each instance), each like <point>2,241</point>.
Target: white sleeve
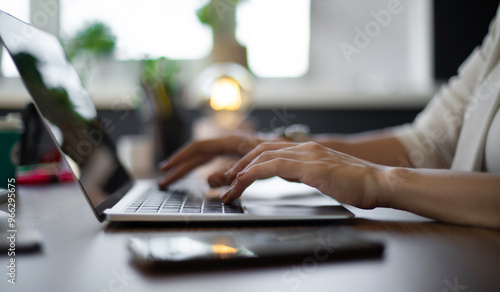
<point>432,138</point>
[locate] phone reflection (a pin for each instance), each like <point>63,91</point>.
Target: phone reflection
<point>184,248</point>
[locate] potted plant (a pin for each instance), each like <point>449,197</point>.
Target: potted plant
<point>221,17</point>
<point>88,46</point>
<point>163,94</point>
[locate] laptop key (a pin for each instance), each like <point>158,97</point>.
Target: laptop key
<point>171,206</point>
<point>169,211</point>
<point>233,210</point>
<point>147,211</point>
<point>179,201</point>
<point>151,206</point>
<point>213,211</point>
<point>191,210</point>
<point>179,191</point>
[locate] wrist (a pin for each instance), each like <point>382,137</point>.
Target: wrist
<point>297,133</point>
<point>390,182</point>
<point>372,185</point>
<point>270,137</point>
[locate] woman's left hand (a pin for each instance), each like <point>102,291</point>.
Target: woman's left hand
<point>347,179</point>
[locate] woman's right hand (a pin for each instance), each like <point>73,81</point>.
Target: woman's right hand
<point>199,152</point>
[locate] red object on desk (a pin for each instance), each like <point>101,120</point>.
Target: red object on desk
<point>43,174</point>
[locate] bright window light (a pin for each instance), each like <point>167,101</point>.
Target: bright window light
<point>276,34</point>
<point>21,10</point>
<point>147,28</point>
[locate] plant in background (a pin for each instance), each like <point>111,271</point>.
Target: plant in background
<point>208,15</point>
<point>160,82</point>
<point>159,77</point>
<point>212,13</point>
<point>220,15</point>
<point>94,41</point>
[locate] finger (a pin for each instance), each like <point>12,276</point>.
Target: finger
<point>249,157</point>
<point>181,156</point>
<point>288,169</point>
<point>205,147</point>
<point>232,144</point>
<point>218,179</point>
<point>182,170</point>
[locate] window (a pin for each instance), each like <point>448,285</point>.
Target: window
<point>362,53</point>
<point>304,52</point>
<point>276,34</point>
<point>147,28</point>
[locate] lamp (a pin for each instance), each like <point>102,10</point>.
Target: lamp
<point>223,92</point>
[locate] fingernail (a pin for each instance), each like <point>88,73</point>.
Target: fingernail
<point>240,174</point>
<point>217,181</point>
<point>225,197</point>
<point>163,183</point>
<point>223,179</point>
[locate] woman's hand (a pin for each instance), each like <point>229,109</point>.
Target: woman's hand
<point>199,152</point>
<point>348,179</point>
<point>451,196</point>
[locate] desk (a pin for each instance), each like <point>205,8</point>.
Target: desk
<point>81,254</point>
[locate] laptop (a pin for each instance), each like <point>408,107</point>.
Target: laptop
<point>82,139</point>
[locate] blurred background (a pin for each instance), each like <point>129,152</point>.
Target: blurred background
<point>336,65</point>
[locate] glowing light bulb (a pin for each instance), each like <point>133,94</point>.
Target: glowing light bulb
<point>226,95</point>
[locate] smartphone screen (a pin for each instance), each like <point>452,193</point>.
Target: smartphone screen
<point>199,249</point>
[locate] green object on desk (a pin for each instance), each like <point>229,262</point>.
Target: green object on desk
<point>9,141</point>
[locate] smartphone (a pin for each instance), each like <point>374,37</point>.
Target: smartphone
<point>209,249</point>
<point>4,195</point>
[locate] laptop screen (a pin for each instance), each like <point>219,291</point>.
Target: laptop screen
<point>67,111</point>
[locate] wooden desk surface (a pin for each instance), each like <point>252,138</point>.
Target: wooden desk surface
<point>81,254</point>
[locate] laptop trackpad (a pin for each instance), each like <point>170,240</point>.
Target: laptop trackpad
<point>276,197</point>
<point>291,210</point>
<point>315,204</point>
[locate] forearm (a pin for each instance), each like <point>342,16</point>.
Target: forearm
<point>377,147</point>
<point>456,197</point>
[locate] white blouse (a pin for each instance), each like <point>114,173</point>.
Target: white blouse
<point>492,153</point>
<point>460,127</point>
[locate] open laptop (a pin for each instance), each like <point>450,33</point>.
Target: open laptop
<point>71,118</point>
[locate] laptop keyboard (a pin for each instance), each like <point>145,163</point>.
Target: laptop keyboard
<point>158,201</point>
